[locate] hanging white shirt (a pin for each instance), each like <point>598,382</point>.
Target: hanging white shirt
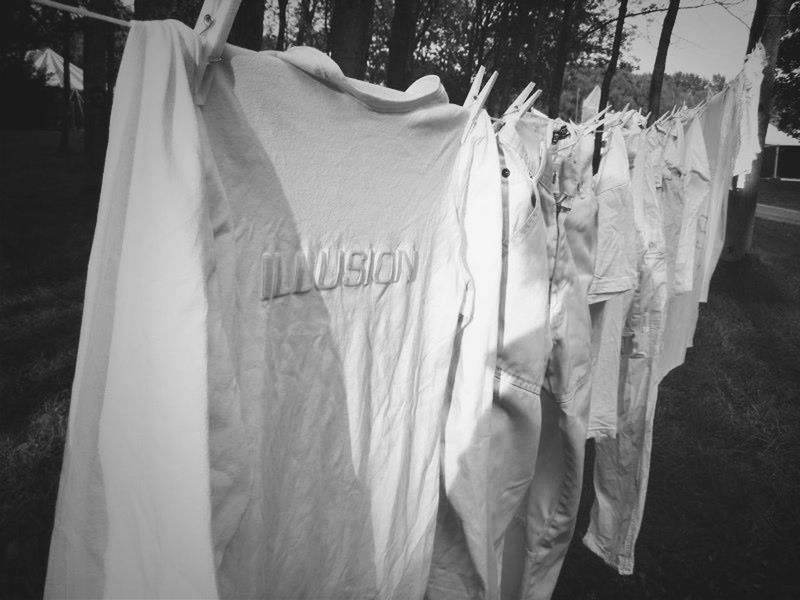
<point>280,272</point>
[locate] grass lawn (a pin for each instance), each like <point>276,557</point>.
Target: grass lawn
<point>785,194</point>
<point>723,512</point>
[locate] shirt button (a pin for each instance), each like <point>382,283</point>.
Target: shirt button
<point>505,172</point>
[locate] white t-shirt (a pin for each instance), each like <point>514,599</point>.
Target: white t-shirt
<point>280,272</point>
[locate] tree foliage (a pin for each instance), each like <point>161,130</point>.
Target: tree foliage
<point>451,38</point>
<point>786,107</point>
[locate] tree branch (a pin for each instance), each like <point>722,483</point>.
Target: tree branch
<point>647,11</point>
<point>731,13</point>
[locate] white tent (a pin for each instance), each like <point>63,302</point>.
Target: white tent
<point>781,158</point>
<point>51,63</point>
<point>775,137</point>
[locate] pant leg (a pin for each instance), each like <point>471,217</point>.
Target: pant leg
<point>622,464</point>
<point>554,495</point>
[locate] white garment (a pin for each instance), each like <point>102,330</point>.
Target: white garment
<point>526,342</point>
<point>465,547</point>
<point>615,276</point>
<point>671,191</point>
<point>695,188</point>
<point>682,309</point>
<point>615,268</point>
<point>575,185</point>
<point>608,322</point>
<point>551,506</point>
<point>751,77</point>
<point>133,514</point>
<point>286,265</point>
<point>591,104</point>
<point>342,386</point>
<point>730,130</point>
<point>622,464</point>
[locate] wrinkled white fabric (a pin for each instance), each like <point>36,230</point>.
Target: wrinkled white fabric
<point>575,193</point>
<point>682,309</point>
<point>695,188</point>
<point>526,342</point>
<point>537,542</point>
<point>615,263</point>
<point>276,282</point>
<point>615,276</point>
<point>133,517</point>
<point>622,464</point>
<point>751,77</point>
<point>608,322</point>
<point>672,193</point>
<point>342,370</point>
<point>463,563</point>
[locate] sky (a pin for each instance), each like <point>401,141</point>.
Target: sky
<point>705,40</point>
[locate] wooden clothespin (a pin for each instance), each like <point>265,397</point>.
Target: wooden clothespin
<point>213,27</point>
<point>476,106</point>
<point>472,95</point>
<point>529,102</point>
<point>519,111</point>
<point>627,117</point>
<point>700,106</point>
<point>660,119</point>
<point>515,106</point>
<point>594,122</point>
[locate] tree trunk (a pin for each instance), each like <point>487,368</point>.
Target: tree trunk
<point>514,63</point>
<point>401,44</point>
<point>769,23</point>
<point>657,78</point>
<point>185,11</point>
<point>562,51</point>
<point>248,26</point>
<point>307,8</point>
<point>605,88</point>
<point>280,43</point>
<point>473,32</point>
<point>536,36</point>
<point>96,96</point>
<point>348,41</point>
<point>66,99</point>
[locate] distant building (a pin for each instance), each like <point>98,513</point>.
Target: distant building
<point>781,159</point>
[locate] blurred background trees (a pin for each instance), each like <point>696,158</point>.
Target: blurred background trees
<point>564,46</point>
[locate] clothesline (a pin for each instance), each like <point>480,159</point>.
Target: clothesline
<point>83,12</point>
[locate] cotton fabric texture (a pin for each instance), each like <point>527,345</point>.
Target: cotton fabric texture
<point>548,517</point>
<point>463,563</point>
<point>622,464</point>
<point>276,282</point>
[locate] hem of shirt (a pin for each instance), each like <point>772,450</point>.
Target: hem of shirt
<point>623,565</point>
<point>601,433</point>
